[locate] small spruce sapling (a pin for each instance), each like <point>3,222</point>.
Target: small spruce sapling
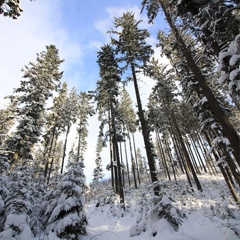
<point>157,208</point>
<point>68,218</point>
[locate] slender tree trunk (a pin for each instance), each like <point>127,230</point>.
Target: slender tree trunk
<point>230,185</point>
<point>160,154</point>
<point>177,150</point>
<point>146,133</point>
<point>192,156</point>
<point>135,151</point>
<point>79,145</point>
<point>51,164</point>
<point>225,175</point>
<point>117,159</point>
<point>132,160</point>
<point>48,152</point>
<point>121,157</point>
<point>171,160</point>
<point>111,150</point>
<point>163,156</point>
<point>186,153</point>
<point>115,168</point>
<point>125,148</point>
<point>208,158</point>
<point>227,128</point>
<point>201,164</point>
<point>65,147</point>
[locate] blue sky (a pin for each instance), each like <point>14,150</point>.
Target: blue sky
<point>78,29</point>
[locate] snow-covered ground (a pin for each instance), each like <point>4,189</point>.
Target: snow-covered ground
<point>211,215</point>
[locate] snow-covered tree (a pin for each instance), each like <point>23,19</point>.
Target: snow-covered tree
<point>229,60</point>
<point>106,96</point>
<point>40,79</point>
<point>10,8</point>
<point>228,131</point>
<point>68,218</point>
<point>69,116</point>
<point>153,211</point>
<point>4,167</point>
<point>134,54</point>
<point>98,170</point>
<point>18,205</point>
<point>84,109</point>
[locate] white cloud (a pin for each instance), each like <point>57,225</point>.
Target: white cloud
<point>38,26</point>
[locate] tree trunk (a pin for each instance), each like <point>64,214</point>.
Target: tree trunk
<point>48,152</point>
<point>146,133</point>
<point>170,158</point>
<point>125,148</point>
<point>111,150</point>
<point>65,147</point>
<point>117,158</point>
<point>192,156</point>
<point>51,164</point>
<point>201,164</point>
<point>186,153</point>
<point>132,160</point>
<point>135,151</point>
<point>121,157</point>
<point>176,148</point>
<point>164,162</point>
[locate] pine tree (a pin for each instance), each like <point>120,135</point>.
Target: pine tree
<point>84,110</point>
<point>135,53</point>
<point>18,205</point>
<point>53,128</point>
<point>106,96</point>
<point>69,116</point>
<point>68,217</point>
<point>40,79</point>
<point>128,119</point>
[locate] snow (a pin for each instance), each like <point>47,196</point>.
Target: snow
<point>6,235</point>
<point>26,233</point>
<point>234,59</point>
<point>210,214</point>
<point>18,221</point>
<point>233,74</point>
<point>223,78</point>
<point>202,220</point>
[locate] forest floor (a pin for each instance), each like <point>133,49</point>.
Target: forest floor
<point>210,214</point>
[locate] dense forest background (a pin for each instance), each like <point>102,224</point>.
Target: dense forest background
<point>189,127</point>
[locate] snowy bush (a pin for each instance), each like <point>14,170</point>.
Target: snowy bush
<point>156,209</point>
